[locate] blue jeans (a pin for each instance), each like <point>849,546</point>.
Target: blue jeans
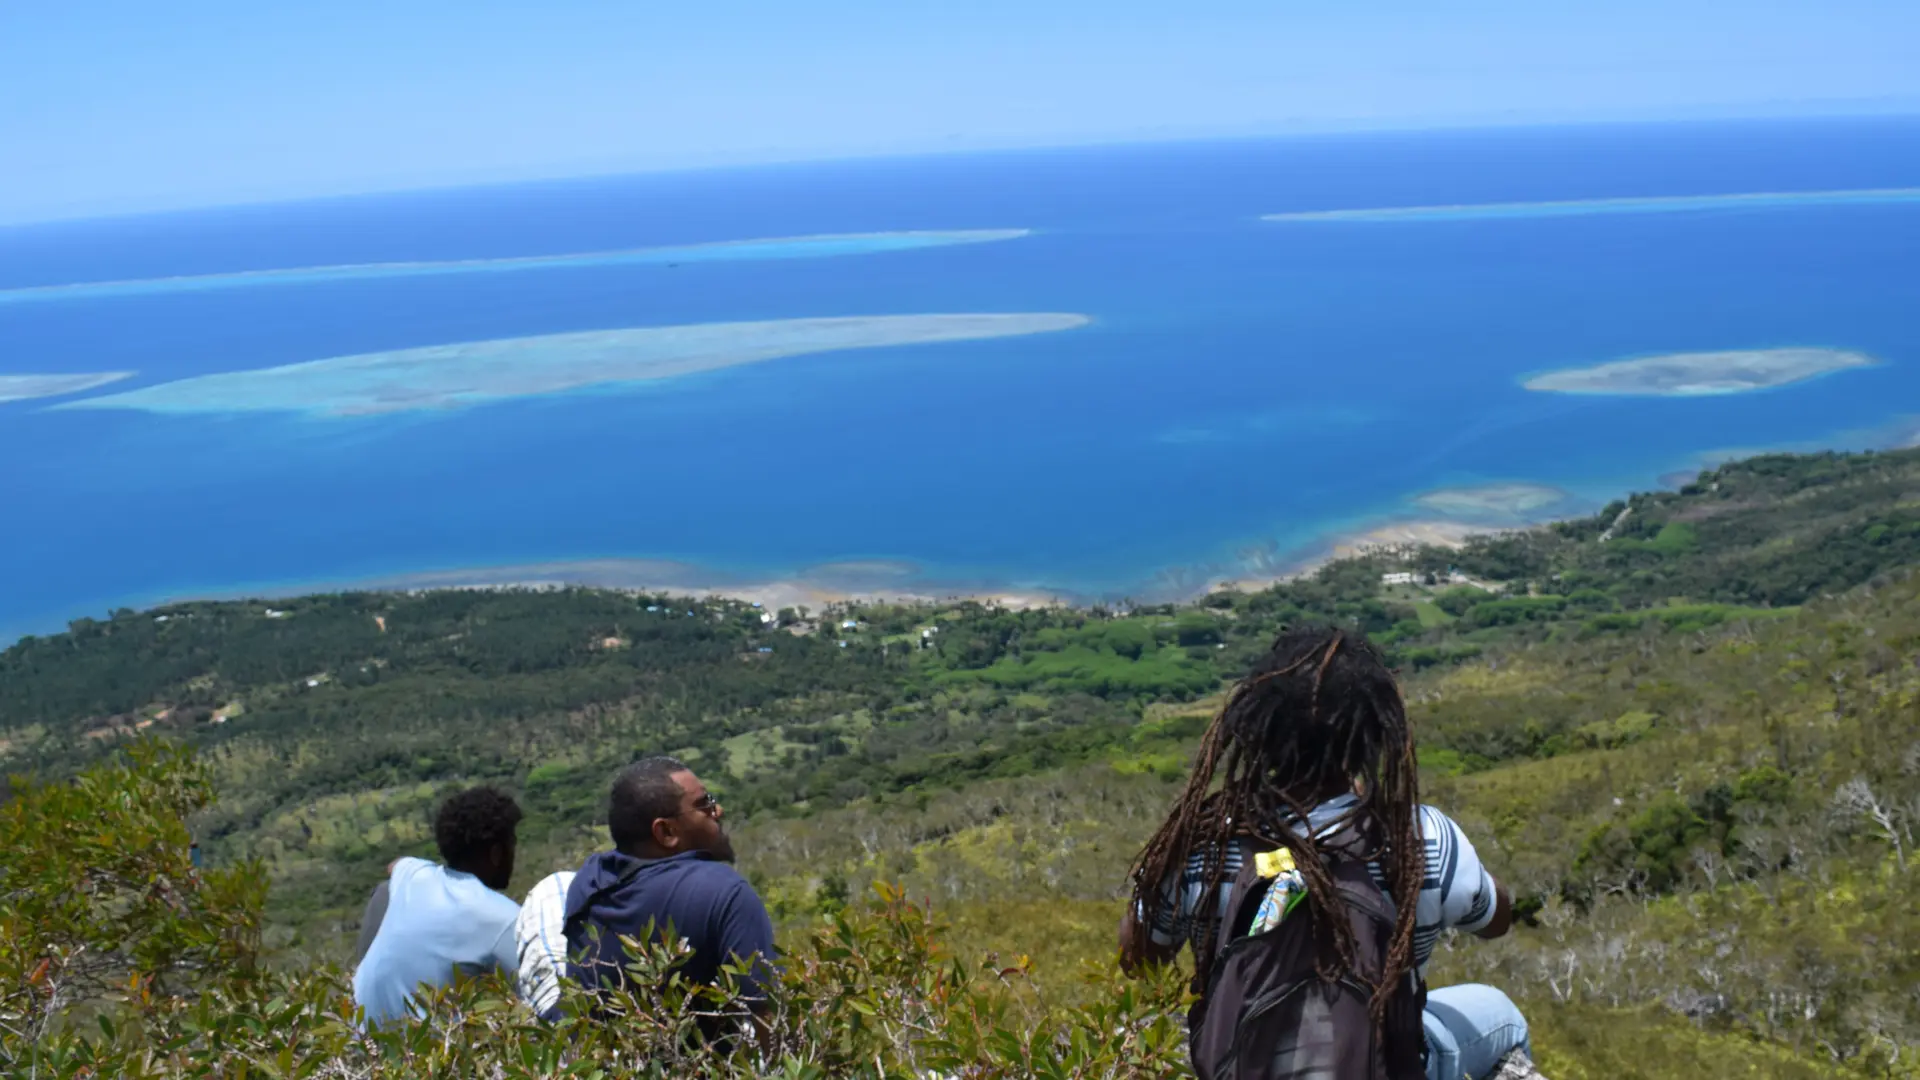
<point>1470,1027</point>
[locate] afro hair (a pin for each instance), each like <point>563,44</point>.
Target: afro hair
<point>472,821</point>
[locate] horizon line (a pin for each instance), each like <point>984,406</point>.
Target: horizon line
<point>1896,109</point>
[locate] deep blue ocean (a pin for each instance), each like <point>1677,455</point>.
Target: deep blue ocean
<point>1245,391</point>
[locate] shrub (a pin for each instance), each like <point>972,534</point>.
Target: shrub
<point>102,902</point>
<point>106,919</point>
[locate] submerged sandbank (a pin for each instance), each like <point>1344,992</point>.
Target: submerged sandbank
<point>475,372</point>
<point>790,247</point>
<point>1702,373</point>
<point>28,387</point>
<point>1657,204</point>
<point>1514,501</point>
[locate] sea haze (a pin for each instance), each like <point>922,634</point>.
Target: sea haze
<point>1203,361</point>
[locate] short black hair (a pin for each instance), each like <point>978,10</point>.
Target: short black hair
<point>472,821</point>
<point>643,793</point>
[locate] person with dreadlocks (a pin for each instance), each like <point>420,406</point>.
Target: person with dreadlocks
<point>1304,803</point>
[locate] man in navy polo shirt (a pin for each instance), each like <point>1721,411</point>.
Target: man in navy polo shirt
<point>672,865</point>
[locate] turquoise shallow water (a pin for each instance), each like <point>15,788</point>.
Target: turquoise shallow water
<point>1244,389</point>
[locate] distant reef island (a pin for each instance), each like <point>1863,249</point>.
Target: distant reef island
<point>474,372</point>
<point>1702,373</point>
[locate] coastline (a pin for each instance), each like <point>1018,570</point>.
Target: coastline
<point>828,585</point>
<point>1444,517</point>
<point>816,588</point>
<point>1382,537</point>
<point>822,586</point>
<point>844,583</point>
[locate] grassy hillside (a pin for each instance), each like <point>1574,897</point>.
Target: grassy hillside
<point>1684,729</point>
<point>1693,822</point>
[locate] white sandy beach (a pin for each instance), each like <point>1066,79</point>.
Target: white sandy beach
<point>815,588</point>
<point>1438,532</point>
<point>825,585</point>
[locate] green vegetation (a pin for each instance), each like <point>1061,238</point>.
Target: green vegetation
<point>1682,728</point>
<point>162,957</point>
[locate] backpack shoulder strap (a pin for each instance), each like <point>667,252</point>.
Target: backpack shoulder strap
<point>1343,851</point>
<point>1246,894</point>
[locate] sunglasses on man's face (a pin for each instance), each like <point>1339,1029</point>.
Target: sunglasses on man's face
<point>706,804</point>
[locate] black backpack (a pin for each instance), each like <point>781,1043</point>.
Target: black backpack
<point>1267,1014</point>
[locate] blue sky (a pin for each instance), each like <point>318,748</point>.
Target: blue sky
<point>133,106</point>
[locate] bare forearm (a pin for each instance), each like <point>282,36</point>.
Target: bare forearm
<point>1502,913</point>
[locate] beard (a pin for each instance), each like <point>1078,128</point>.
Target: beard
<point>722,847</point>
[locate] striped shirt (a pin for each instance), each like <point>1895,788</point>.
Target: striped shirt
<point>1457,893</point>
<point>541,936</point>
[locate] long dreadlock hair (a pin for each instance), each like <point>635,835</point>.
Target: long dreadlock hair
<point>1319,712</point>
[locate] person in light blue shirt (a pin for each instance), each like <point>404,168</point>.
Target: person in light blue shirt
<point>442,921</point>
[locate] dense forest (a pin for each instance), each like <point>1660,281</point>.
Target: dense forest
<point>1682,728</point>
